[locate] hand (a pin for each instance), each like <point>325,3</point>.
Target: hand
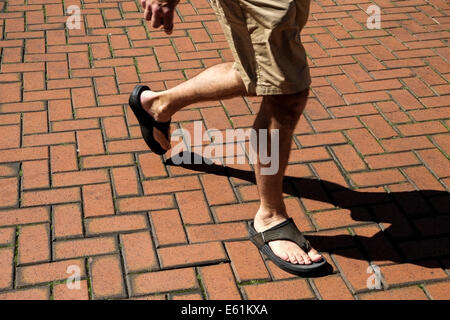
<point>160,12</point>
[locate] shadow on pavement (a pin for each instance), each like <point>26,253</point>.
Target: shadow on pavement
<point>417,223</point>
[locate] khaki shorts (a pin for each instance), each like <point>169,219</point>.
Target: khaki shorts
<point>264,37</point>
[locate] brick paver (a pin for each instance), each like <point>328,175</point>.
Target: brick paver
<point>368,177</point>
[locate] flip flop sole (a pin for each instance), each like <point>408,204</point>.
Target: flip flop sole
<point>146,121</point>
<point>297,269</point>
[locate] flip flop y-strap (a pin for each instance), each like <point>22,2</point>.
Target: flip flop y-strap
<point>287,230</point>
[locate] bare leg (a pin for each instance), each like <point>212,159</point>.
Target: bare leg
<point>279,112</point>
<point>217,82</point>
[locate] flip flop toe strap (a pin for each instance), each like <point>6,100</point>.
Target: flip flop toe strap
<point>286,230</point>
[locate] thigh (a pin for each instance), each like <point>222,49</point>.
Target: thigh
<point>264,37</point>
<point>234,24</point>
<point>281,62</point>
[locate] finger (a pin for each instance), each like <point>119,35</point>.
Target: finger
<point>168,19</point>
<point>143,3</point>
<point>156,16</point>
<point>148,12</point>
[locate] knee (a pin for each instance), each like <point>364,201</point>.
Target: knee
<point>295,102</point>
<point>289,105</point>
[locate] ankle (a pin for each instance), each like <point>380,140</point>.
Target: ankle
<point>267,217</point>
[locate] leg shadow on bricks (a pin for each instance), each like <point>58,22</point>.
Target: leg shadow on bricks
<point>387,227</point>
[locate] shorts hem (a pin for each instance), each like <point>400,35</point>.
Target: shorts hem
<point>262,90</point>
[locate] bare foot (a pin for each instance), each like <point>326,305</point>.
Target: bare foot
<point>286,250</point>
<point>151,103</point>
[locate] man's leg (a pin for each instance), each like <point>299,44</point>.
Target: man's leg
<point>277,112</point>
<point>280,112</point>
<point>220,81</point>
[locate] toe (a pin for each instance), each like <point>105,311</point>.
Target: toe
<point>300,258</point>
<point>305,257</point>
<point>314,255</point>
<point>292,258</point>
<point>162,140</point>
<point>284,256</point>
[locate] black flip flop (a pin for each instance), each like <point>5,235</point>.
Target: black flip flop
<point>147,122</point>
<point>286,230</point>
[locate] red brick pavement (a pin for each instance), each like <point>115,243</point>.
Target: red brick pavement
<point>369,173</point>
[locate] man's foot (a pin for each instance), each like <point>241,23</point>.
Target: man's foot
<point>152,103</point>
<point>286,250</point>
